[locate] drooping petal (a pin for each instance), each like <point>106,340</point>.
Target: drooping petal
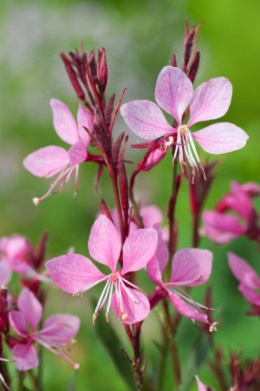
<point>77,153</point>
<point>25,357</point>
<point>201,386</point>
<point>30,307</point>
<point>85,120</point>
<point>73,273</point>
<point>187,310</point>
<point>5,274</point>
<point>131,309</point>
<point>47,161</point>
<point>15,246</point>
<point>211,100</point>
<point>64,122</point>
<point>153,158</point>
<point>191,267</point>
<point>241,270</point>
<point>220,138</point>
<point>158,263</point>
<point>221,228</point>
<point>154,272</point>
<point>252,189</point>
<point>242,203</point>
<point>145,119</point>
<point>173,91</point>
<point>139,248</point>
<point>59,329</point>
<point>249,294</point>
<point>18,323</point>
<point>151,215</point>
<point>104,242</point>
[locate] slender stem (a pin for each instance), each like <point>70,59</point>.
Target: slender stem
<point>117,200</point>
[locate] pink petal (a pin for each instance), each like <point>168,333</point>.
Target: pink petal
<point>158,263</point>
<point>85,120</point>
<point>25,357</point>
<point>252,189</point>
<point>131,309</point>
<point>173,91</point>
<point>64,122</point>
<point>201,386</point>
<point>15,246</point>
<point>18,323</point>
<point>77,153</point>
<point>104,242</point>
<point>221,138</point>
<point>145,119</point>
<point>73,273</point>
<point>30,307</point>
<point>5,274</point>
<point>249,294</point>
<point>59,329</point>
<point>139,249</point>
<point>241,202</point>
<point>191,267</point>
<point>154,157</point>
<point>221,228</point>
<point>151,215</point>
<point>186,310</point>
<point>211,100</point>
<point>154,272</point>
<point>241,270</point>
<point>47,161</point>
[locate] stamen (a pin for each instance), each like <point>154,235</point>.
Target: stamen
<point>169,142</point>
<point>102,299</point>
<point>128,293</point>
<point>109,302</point>
<point>213,327</point>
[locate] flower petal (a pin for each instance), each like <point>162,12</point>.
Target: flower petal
<point>201,386</point>
<point>191,267</point>
<point>220,138</point>
<point>77,153</point>
<point>47,161</point>
<point>241,270</point>
<point>104,242</point>
<point>131,309</point>
<point>73,273</point>
<point>64,122</point>
<point>59,329</point>
<point>173,91</point>
<point>157,265</point>
<point>18,323</point>
<point>85,120</point>
<point>30,307</point>
<point>186,310</point>
<point>25,357</point>
<point>211,100</point>
<point>249,294</point>
<point>221,228</point>
<point>5,274</point>
<point>151,215</point>
<point>139,248</point>
<point>145,119</point>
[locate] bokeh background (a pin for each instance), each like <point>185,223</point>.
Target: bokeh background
<point>139,37</point>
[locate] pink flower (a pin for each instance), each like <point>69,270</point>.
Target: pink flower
<point>75,273</point>
<point>174,94</point>
<point>49,161</point>
<point>190,267</point>
<point>249,282</point>
<point>57,332</point>
<point>221,227</point>
<point>15,253</point>
<point>201,386</point>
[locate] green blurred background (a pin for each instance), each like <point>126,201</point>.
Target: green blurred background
<point>139,37</point>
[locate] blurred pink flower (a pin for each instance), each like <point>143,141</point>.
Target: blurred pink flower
<point>51,160</point>
<point>201,386</point>
<point>75,273</point>
<point>249,282</point>
<point>221,227</point>
<point>57,332</point>
<point>190,267</point>
<point>174,94</point>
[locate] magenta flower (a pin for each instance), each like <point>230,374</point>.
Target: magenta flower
<point>249,282</point>
<point>174,94</point>
<point>49,161</point>
<point>190,267</point>
<point>201,386</point>
<point>75,273</point>
<point>57,332</point>
<point>221,227</point>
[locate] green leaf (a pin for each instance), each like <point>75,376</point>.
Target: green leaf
<point>113,346</point>
<point>72,382</point>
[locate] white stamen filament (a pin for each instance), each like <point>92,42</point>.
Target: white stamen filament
<point>128,293</point>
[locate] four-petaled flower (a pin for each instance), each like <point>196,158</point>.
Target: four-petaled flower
<point>174,94</point>
<point>51,160</point>
<point>75,273</point>
<point>57,332</point>
<point>190,267</point>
